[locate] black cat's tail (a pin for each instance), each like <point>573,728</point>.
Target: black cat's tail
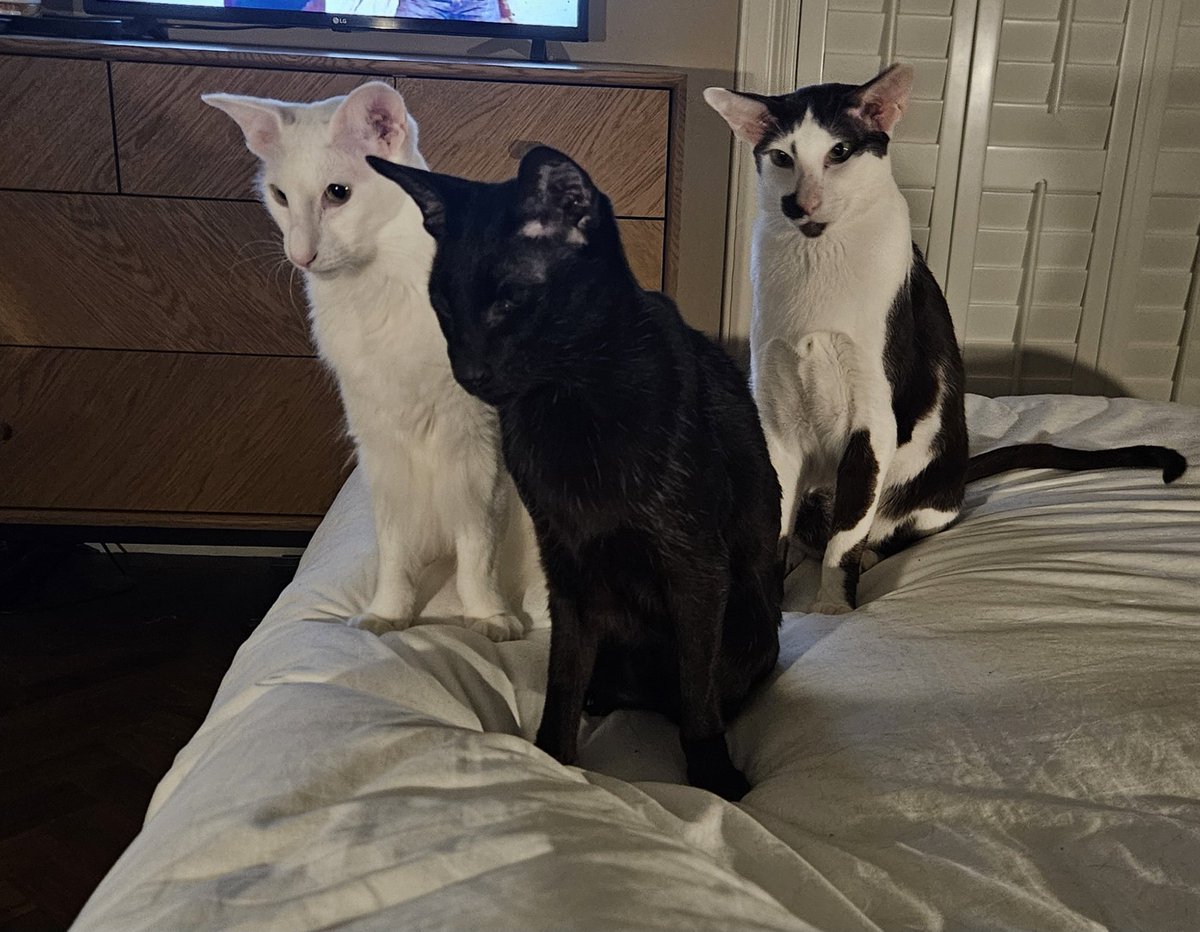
<point>1047,456</point>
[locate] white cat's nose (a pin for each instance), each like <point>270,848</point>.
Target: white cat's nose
<point>304,261</point>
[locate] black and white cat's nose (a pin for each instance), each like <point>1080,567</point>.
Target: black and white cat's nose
<point>793,209</point>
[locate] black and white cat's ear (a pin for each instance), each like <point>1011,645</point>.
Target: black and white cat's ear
<point>372,120</point>
<point>431,191</point>
<point>260,119</point>
<point>883,99</point>
<point>747,114</point>
<point>557,198</point>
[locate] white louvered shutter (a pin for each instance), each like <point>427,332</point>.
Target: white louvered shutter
<point>851,40</point>
<point>1047,132</point>
<point>1151,338</point>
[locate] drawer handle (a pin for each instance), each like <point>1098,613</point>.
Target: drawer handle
<point>6,431</point>
<point>521,147</point>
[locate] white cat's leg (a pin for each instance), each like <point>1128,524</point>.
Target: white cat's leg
<point>781,407</point>
<point>861,473</point>
<point>484,609</point>
<point>399,547</point>
<point>786,460</point>
<point>477,510</point>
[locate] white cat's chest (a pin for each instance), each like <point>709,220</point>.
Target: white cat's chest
<point>844,282</point>
<point>378,332</point>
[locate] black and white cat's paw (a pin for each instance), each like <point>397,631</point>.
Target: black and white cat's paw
<point>377,624</point>
<point>499,627</point>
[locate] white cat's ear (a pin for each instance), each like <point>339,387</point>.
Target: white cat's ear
<point>372,120</point>
<point>746,114</point>
<point>431,191</point>
<point>883,99</point>
<point>261,120</point>
<point>558,199</point>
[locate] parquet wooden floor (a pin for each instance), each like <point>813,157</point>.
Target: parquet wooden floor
<point>105,672</point>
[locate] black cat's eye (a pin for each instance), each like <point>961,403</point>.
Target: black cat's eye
<point>338,193</point>
<point>839,153</point>
<point>506,302</point>
<point>280,197</point>
<point>780,159</point>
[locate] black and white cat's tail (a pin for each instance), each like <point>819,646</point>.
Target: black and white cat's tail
<point>1048,456</point>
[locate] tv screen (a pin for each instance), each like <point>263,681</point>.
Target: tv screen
<point>561,20</point>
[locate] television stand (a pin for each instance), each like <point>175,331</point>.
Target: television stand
<point>52,26</point>
<point>537,50</point>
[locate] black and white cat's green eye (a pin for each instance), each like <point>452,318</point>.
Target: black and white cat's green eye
<point>280,197</point>
<point>780,159</point>
<point>839,153</point>
<point>338,193</point>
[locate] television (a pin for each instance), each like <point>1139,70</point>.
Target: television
<point>540,20</point>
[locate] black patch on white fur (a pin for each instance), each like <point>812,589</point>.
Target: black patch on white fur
<point>832,106</point>
<point>920,358</point>
<point>857,476</point>
<point>851,567</point>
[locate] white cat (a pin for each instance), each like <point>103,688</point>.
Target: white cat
<point>430,451</point>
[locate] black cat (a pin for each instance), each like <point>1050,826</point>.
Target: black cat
<point>635,445</point>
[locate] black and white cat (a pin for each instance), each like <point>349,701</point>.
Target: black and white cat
<point>854,362</point>
<point>635,445</point>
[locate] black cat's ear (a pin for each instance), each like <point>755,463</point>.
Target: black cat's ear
<point>430,190</point>
<point>558,199</point>
<point>747,114</point>
<point>883,99</point>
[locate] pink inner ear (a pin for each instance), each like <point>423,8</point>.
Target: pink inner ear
<point>883,115</point>
<point>383,124</point>
<point>372,121</point>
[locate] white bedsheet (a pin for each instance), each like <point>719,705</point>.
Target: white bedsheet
<point>1005,736</point>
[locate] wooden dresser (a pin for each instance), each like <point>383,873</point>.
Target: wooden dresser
<point>155,366</point>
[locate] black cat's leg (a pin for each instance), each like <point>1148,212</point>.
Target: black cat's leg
<point>750,640</point>
<point>573,646</point>
<point>860,474</point>
<point>697,597</point>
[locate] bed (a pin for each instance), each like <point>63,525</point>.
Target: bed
<point>1006,735</point>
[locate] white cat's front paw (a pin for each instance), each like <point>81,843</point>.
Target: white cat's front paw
<point>827,606</point>
<point>869,560</point>
<point>376,624</point>
<point>502,627</point>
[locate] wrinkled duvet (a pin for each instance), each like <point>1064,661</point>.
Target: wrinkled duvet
<point>1006,735</point>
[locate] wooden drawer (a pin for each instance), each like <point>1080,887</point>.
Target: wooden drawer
<point>643,242</point>
<point>168,432</point>
<point>172,143</point>
<point>57,126</point>
<point>143,273</point>
<point>480,129</point>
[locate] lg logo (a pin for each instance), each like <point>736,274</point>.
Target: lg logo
<point>340,21</point>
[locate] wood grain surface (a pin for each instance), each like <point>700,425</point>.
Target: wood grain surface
<point>82,270</point>
<point>55,125</point>
<point>172,143</point>
<point>643,242</point>
<point>167,432</point>
<point>480,129</point>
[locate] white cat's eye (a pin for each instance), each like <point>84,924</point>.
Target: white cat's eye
<point>280,197</point>
<point>338,193</point>
<point>780,159</point>
<point>839,153</point>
